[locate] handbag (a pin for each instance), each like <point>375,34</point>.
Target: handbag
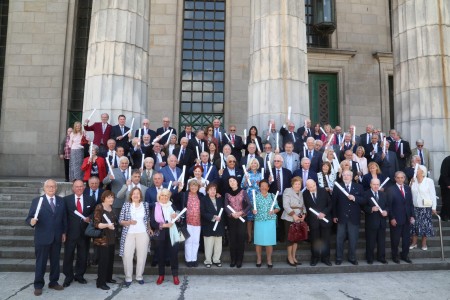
<point>91,231</point>
<point>184,234</point>
<point>427,203</point>
<point>298,232</point>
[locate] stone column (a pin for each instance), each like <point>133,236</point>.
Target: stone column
<point>421,40</point>
<point>278,63</point>
<point>117,62</point>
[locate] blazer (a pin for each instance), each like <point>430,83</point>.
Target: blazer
<point>264,158</point>
<point>363,140</point>
<point>88,193</point>
<point>116,184</point>
<point>50,225</point>
<point>322,204</point>
<point>151,193</point>
<point>188,159</point>
<point>366,179</point>
<point>238,145</point>
<point>406,153</point>
<point>295,161</point>
<point>160,131</point>
<point>376,157</point>
<point>183,134</point>
<point>301,131</point>
<point>75,225</point>
<point>426,157</point>
<point>311,175</point>
<point>401,208</point>
<point>346,210</point>
<point>389,165</point>
<point>145,180</point>
<point>208,210</point>
<point>163,159</point>
<point>289,137</point>
<point>143,131</point>
<point>100,138</point>
<point>292,202</point>
<point>125,194</point>
<point>167,173</point>
<point>374,220</point>
<point>155,225</point>
<point>249,140</point>
<point>316,160</point>
<point>286,180</point>
<point>213,175</point>
<point>116,132</point>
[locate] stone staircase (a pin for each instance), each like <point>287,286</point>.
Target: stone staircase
<point>17,250</point>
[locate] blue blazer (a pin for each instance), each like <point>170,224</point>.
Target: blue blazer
<point>374,220</point>
<point>346,210</point>
<point>287,176</point>
<point>87,193</point>
<point>401,208</point>
<point>316,160</point>
<point>50,226</point>
<point>167,173</point>
<point>311,175</point>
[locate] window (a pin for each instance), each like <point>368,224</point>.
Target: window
<point>203,63</point>
<point>314,39</point>
<point>83,22</point>
<point>4,5</point>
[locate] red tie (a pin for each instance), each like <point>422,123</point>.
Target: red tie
<point>401,190</point>
<point>80,210</point>
<point>232,139</point>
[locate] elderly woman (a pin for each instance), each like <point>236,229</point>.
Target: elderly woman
<point>202,182</point>
<point>374,173</point>
<point>94,165</point>
<point>210,208</point>
<point>165,234</point>
<point>237,199</point>
<point>361,160</point>
<point>254,176</point>
<point>265,223</point>
<point>330,156</point>
<point>294,211</point>
<point>148,172</point>
<point>344,166</point>
<point>135,235</point>
<point>424,200</point>
<point>105,244</point>
<point>76,153</point>
<point>326,178</point>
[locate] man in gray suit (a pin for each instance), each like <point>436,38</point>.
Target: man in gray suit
<point>117,180</point>
<point>423,153</point>
<point>291,160</point>
<point>389,164</point>
<point>131,183</point>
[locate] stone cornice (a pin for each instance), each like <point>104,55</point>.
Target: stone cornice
<point>332,54</point>
<point>383,57</point>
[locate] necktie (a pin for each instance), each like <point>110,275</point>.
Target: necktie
<point>148,173</point>
<point>93,195</point>
<point>401,190</point>
<point>121,129</point>
<point>232,139</point>
<point>103,128</point>
<point>216,133</point>
<point>314,197</point>
<point>376,196</point>
<point>421,157</point>
<point>396,146</point>
<point>124,175</point>
<point>305,177</point>
<point>368,139</point>
<point>52,205</point>
<point>293,136</point>
<point>278,180</point>
<point>79,208</point>
<point>182,153</point>
<point>347,187</point>
<point>310,154</point>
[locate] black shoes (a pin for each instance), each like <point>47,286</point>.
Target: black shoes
<point>103,287</point>
<point>81,280</point>
<point>370,262</point>
<point>353,262</point>
<point>383,261</point>
<point>327,262</point>
<point>406,259</point>
<point>396,260</point>
<point>313,262</point>
<point>338,262</point>
<point>111,281</point>
<point>291,264</point>
<point>258,265</point>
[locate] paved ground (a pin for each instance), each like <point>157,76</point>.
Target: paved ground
<point>427,285</point>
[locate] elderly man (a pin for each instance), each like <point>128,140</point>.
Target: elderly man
<point>318,146</point>
<point>135,181</point>
<point>373,150</point>
<point>289,134</point>
<point>366,137</point>
<point>231,169</point>
<point>305,131</point>
<point>172,173</point>
<point>347,144</point>
<point>197,144</point>
<point>102,131</point>
<point>79,209</point>
<point>291,160</point>
<point>271,136</point>
<point>376,221</point>
<point>117,179</point>
<point>159,157</point>
<point>218,132</point>
<point>186,157</point>
<point>164,128</point>
<point>267,155</point>
<point>145,130</point>
<point>235,142</point>
<point>313,155</point>
<point>338,136</point>
<point>401,149</point>
<point>389,164</point>
<point>50,226</point>
<point>347,215</point>
<point>305,171</point>
<point>206,165</point>
<point>351,130</point>
<point>423,153</point>
<point>187,133</point>
<point>219,163</point>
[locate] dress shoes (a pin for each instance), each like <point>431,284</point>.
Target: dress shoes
<point>383,261</point>
<point>258,265</point>
<point>176,280</point>
<point>111,281</point>
<point>396,260</point>
<point>103,287</point>
<point>232,264</point>
<point>353,262</point>
<point>127,283</point>
<point>270,266</point>
<point>56,287</point>
<point>313,262</point>
<point>160,280</point>
<point>67,283</point>
<point>370,262</point>
<point>406,259</point>
<point>239,265</point>
<point>338,262</point>
<point>291,264</point>
<point>327,262</point>
<point>38,292</point>
<point>81,280</point>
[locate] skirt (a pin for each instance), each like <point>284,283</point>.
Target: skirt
<point>266,233</point>
<point>76,160</point>
<point>423,226</point>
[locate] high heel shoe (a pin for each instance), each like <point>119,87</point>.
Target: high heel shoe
<point>270,266</point>
<point>258,265</point>
<point>291,264</point>
<point>176,281</point>
<point>413,247</point>
<point>160,280</point>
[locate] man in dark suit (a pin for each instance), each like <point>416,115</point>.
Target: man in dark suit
<point>347,215</point>
<point>251,154</point>
<point>152,192</point>
<point>289,134</point>
<point>164,128</point>
<point>102,131</point>
<point>111,154</point>
<point>319,200</point>
<point>231,169</point>
<point>146,146</point>
<point>351,130</point>
<point>313,155</point>
<point>118,134</point>
<point>366,137</point>
<point>76,225</point>
<point>280,181</point>
<point>50,227</point>
<point>373,150</point>
<point>376,222</point>
<point>186,157</point>
<point>347,144</point>
<point>305,171</point>
<point>187,133</point>
<point>444,183</point>
<point>94,191</point>
<point>235,143</point>
<point>145,130</point>
<point>389,165</point>
<point>401,215</point>
<point>305,132</point>
<point>402,150</point>
<point>197,143</point>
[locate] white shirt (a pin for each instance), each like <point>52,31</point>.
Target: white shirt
<point>54,199</point>
<point>137,214</point>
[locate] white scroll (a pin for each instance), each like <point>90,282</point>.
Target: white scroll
<point>107,219</point>
<point>92,113</point>
<point>179,154</point>
<point>198,155</point>
<point>342,189</point>
<point>246,174</point>
<point>233,211</point>
<point>317,214</point>
<point>221,161</point>
<point>109,167</point>
<point>269,132</point>
<point>354,133</point>
<point>207,174</point>
<point>217,222</point>
<point>254,199</point>
<point>170,185</point>
<point>78,214</point>
<point>38,208</point>
<point>181,178</point>
<point>274,201</point>
<point>129,177</point>
<point>384,182</point>
<point>179,215</point>
<point>278,146</point>
<point>270,169</point>
<point>245,136</point>
<point>160,137</point>
<point>289,112</point>
<point>170,135</point>
<point>401,148</point>
<point>376,204</point>
<point>257,145</point>
<point>323,131</point>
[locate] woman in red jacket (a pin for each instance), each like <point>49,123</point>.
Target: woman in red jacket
<point>94,165</point>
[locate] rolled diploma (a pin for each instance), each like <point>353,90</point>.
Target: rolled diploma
<point>277,143</point>
<point>246,174</point>
<point>304,151</point>
<point>139,136</point>
<point>168,139</point>
<point>207,174</point>
<point>270,170</point>
<point>132,123</point>
<point>157,139</point>
<point>376,204</point>
<point>38,208</point>
<point>129,177</point>
<point>198,155</point>
<point>107,219</point>
<point>401,148</point>
<point>142,162</point>
<point>305,125</point>
<point>257,145</point>
<point>245,136</point>
<point>254,199</point>
<point>342,189</point>
<point>262,173</point>
<point>221,161</point>
<point>354,133</point>
<point>92,113</point>
<point>384,182</point>
<point>170,185</point>
<point>182,174</point>
<point>274,200</point>
<point>270,131</point>
<point>126,133</point>
<point>384,145</point>
<point>203,147</point>
<point>179,215</point>
<point>357,167</point>
<point>331,138</point>
<point>229,140</point>
<point>217,222</point>
<point>78,214</point>
<point>179,154</point>
<point>289,112</point>
<point>323,131</point>
<point>110,169</point>
<point>304,189</point>
<point>90,150</point>
<point>317,214</point>
<point>415,170</point>
<point>233,211</point>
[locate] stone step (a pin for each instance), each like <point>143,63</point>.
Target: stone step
<point>249,268</point>
<point>13,221</point>
<point>13,204</point>
<point>17,230</point>
<point>14,212</point>
<point>9,190</point>
<point>17,197</point>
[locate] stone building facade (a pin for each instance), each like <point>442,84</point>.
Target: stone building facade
<point>387,64</point>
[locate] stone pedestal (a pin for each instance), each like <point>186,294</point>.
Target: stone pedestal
<point>278,63</point>
<point>117,62</point>
<point>421,41</point>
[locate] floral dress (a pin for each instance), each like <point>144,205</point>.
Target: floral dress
<point>255,178</point>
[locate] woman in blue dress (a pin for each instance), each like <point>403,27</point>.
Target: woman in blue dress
<point>265,223</point>
<point>254,176</point>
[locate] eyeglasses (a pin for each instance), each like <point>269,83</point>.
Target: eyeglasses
<point>232,161</point>
<point>232,129</point>
<point>419,145</point>
<point>277,161</point>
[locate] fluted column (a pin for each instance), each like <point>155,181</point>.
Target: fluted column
<point>116,71</point>
<point>278,62</point>
<point>421,40</point>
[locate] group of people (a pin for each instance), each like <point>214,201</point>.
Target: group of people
<point>165,189</point>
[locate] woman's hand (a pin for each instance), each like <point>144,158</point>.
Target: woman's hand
<point>173,216</point>
<point>254,211</point>
<point>111,226</point>
<point>296,218</point>
<point>133,222</point>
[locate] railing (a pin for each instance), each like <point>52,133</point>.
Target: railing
<point>440,236</point>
